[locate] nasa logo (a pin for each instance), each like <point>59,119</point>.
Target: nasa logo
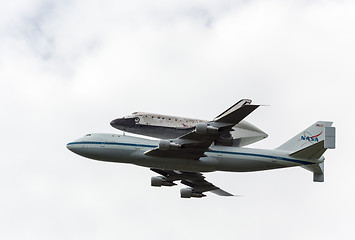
<point>309,137</point>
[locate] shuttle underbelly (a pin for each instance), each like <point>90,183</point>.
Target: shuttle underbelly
<point>169,127</point>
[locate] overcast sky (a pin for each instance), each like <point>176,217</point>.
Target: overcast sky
<point>68,68</point>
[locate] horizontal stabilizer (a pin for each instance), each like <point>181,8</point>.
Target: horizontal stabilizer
<point>314,151</point>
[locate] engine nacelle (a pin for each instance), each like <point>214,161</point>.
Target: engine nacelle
<point>203,128</point>
<point>166,145</point>
<point>160,181</point>
<point>188,193</point>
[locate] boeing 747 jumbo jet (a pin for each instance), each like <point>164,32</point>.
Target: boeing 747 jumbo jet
<point>184,158</point>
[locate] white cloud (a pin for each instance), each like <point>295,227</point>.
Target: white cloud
<point>70,67</point>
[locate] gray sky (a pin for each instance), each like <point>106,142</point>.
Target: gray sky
<point>68,68</point>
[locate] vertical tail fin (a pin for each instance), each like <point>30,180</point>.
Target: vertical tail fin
<point>313,135</point>
<point>311,144</point>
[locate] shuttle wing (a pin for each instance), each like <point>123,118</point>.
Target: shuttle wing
<point>194,144</point>
<point>195,180</point>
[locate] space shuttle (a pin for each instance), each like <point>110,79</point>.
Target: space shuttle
<point>169,127</point>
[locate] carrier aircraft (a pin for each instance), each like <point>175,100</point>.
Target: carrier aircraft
<point>185,158</point>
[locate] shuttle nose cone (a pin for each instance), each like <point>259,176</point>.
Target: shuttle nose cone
<point>122,123</point>
<point>113,123</point>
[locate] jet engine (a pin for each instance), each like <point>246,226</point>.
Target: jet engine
<point>188,193</point>
<point>203,128</point>
<point>160,181</point>
<point>166,145</point>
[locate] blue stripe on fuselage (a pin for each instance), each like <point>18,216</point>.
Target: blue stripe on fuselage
<point>113,143</point>
<point>211,151</point>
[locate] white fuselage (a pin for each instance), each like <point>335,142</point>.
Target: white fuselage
<point>169,127</point>
<point>127,149</point>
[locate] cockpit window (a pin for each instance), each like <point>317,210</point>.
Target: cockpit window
<point>88,135</point>
<point>134,113</point>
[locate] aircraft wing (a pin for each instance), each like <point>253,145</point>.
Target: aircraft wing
<point>194,144</point>
<point>195,180</point>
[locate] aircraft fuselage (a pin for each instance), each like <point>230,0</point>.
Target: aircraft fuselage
<point>170,127</point>
<point>127,149</point>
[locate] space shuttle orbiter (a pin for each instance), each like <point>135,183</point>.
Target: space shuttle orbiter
<point>168,127</point>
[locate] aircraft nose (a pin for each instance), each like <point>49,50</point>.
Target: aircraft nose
<point>71,147</point>
<point>121,123</point>
<point>76,148</point>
